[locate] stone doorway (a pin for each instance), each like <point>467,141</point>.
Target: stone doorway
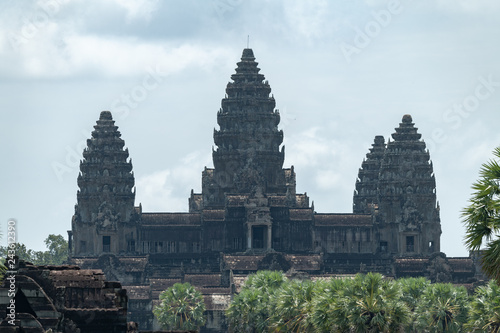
<point>259,239</point>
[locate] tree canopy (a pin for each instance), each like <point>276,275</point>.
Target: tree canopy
<point>270,302</point>
<point>482,217</point>
<point>181,308</point>
<point>56,254</point>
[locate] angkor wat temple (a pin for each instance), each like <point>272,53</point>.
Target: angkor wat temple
<point>248,215</point>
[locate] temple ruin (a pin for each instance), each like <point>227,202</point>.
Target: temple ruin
<point>249,216</point>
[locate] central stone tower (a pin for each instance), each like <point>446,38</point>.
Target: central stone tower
<point>249,156</point>
<point>248,183</point>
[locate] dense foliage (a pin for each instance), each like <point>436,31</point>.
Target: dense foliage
<point>482,217</point>
<point>181,308</point>
<point>56,254</point>
<point>269,302</point>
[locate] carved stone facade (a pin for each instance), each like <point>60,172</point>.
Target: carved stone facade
<point>62,299</point>
<point>396,183</point>
<point>105,220</point>
<point>248,215</point>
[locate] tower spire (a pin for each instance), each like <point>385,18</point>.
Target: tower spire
<point>106,195</point>
<point>248,152</point>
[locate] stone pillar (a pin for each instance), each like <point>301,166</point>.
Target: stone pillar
<point>269,234</point>
<point>249,236</point>
<point>70,243</point>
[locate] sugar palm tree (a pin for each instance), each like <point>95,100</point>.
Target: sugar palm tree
<point>248,312</point>
<point>442,308</point>
<point>412,290</point>
<point>374,305</point>
<point>329,312</point>
<point>181,307</point>
<point>292,306</point>
<point>482,217</point>
<point>367,303</point>
<point>484,313</point>
<point>250,309</point>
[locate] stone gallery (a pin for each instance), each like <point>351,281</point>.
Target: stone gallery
<point>249,217</point>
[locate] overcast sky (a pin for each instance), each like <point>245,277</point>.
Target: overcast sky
<point>341,72</point>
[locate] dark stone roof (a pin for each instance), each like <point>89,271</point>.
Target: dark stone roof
<point>203,280</point>
<point>348,220</point>
<point>159,285</point>
<point>236,200</point>
<point>128,264</point>
<point>411,265</point>
<point>301,214</point>
<point>461,264</point>
<point>138,292</point>
<point>84,278</point>
<point>305,262</point>
<point>277,201</point>
<point>159,219</point>
<point>251,263</point>
<point>242,262</point>
<point>214,214</point>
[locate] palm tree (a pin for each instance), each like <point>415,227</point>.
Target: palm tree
<point>374,305</point>
<point>328,313</point>
<point>181,307</point>
<point>484,313</point>
<point>367,303</point>
<point>412,290</point>
<point>442,308</point>
<point>292,306</point>
<point>250,309</point>
<point>248,312</point>
<point>482,217</point>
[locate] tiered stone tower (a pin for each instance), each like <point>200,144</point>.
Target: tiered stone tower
<point>405,195</point>
<point>366,193</point>
<point>248,181</point>
<point>105,219</point>
<point>248,157</point>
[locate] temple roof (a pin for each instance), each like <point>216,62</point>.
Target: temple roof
<point>348,220</point>
<point>159,219</point>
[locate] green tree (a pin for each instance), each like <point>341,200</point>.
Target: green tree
<point>57,249</point>
<point>329,308</point>
<point>181,307</point>
<point>292,306</point>
<point>367,303</point>
<point>250,309</point>
<point>484,315</point>
<point>412,290</point>
<point>56,254</point>
<point>482,217</point>
<point>21,251</point>
<point>442,308</point>
<point>373,304</point>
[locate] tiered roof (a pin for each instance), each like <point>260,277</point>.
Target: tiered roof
<point>365,196</point>
<point>106,179</point>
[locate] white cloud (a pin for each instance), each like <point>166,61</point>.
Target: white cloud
<point>169,189</point>
<point>104,56</point>
<point>138,9</point>
<point>469,6</point>
<point>306,18</point>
